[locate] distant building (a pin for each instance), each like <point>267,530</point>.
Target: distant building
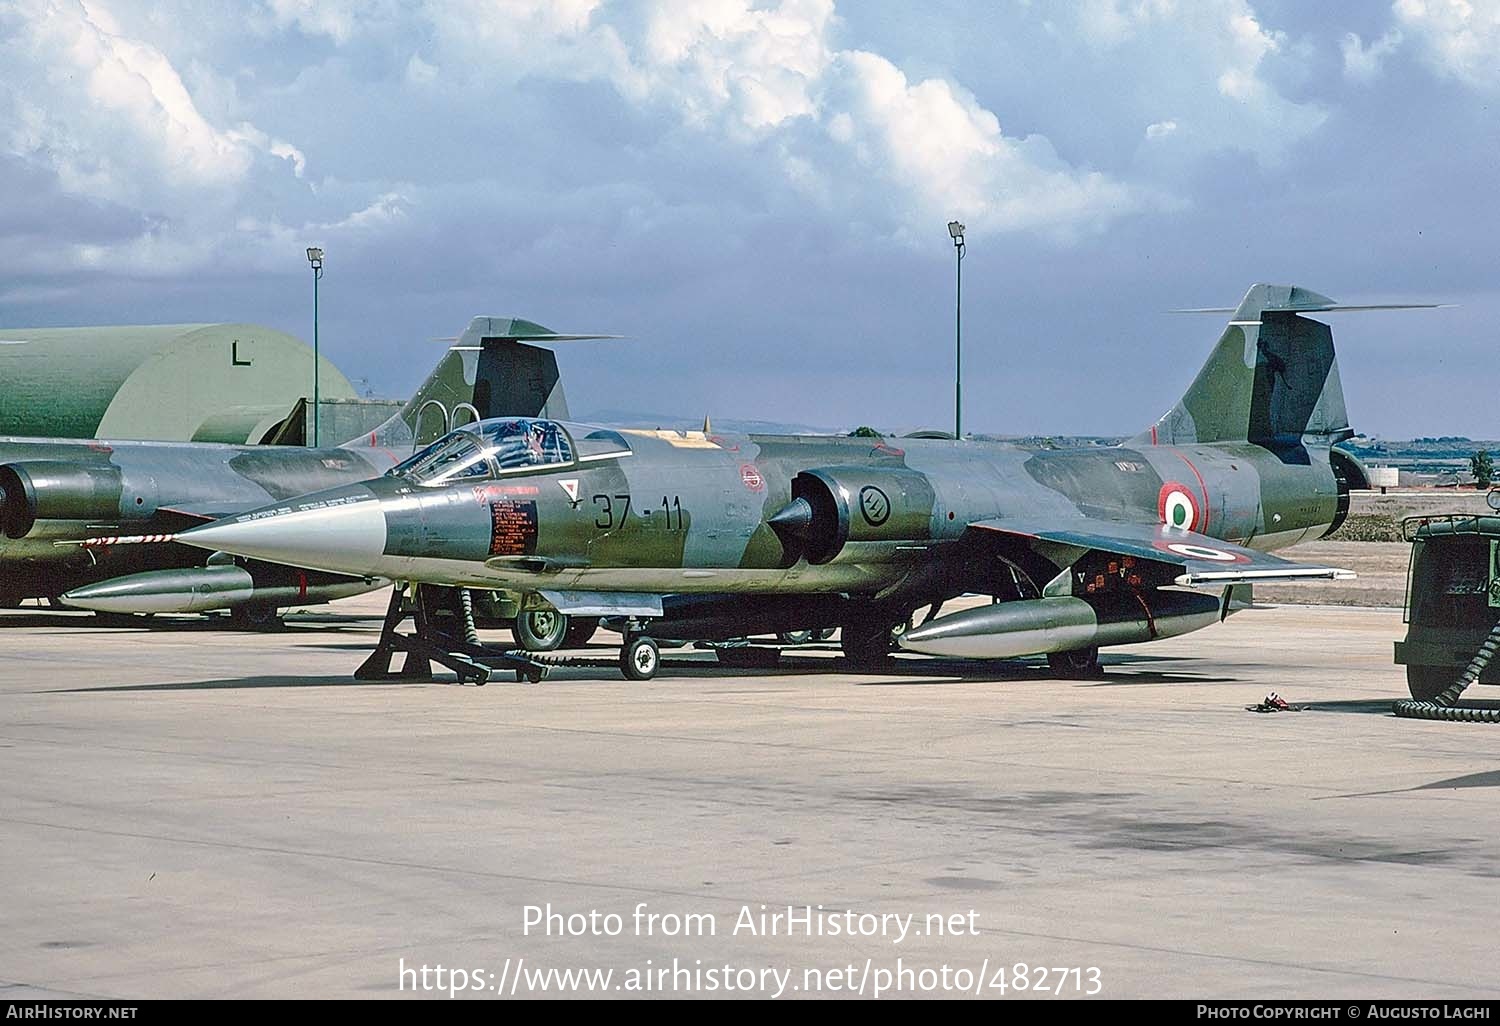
<point>169,382</point>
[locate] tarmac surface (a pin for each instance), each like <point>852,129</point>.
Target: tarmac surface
<point>195,812</point>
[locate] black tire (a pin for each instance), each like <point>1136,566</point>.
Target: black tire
<point>1427,682</point>
<point>256,616</point>
<point>541,630</point>
<point>749,657</point>
<point>794,637</point>
<point>1079,664</point>
<point>867,646</point>
<point>581,631</point>
<point>639,659</point>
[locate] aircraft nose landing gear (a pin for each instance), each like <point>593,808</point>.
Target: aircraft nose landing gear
<point>443,619</point>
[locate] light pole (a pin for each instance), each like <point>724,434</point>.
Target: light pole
<point>957,231</point>
<point>315,257</point>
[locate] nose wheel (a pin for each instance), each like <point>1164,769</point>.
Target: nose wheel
<point>639,658</point>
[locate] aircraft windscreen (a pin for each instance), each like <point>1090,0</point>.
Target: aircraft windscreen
<point>457,455</point>
<point>486,448</point>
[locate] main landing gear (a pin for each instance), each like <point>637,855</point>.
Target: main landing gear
<point>1079,664</point>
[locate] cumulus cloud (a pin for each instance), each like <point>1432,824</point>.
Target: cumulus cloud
<point>750,72</point>
<point>1363,63</point>
<point>339,20</point>
<point>1459,38</point>
<point>105,116</point>
<point>137,110</point>
<point>1210,59</point>
<point>110,113</point>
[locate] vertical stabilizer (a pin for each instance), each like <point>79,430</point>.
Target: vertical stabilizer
<point>1272,379</point>
<point>494,370</point>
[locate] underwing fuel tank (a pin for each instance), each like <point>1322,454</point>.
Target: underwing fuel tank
<point>205,588</point>
<point>1063,623</point>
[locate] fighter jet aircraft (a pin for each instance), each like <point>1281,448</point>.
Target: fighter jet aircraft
<point>705,536</point>
<point>54,494</point>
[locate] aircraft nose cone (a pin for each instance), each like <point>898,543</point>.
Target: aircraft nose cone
<point>342,530</point>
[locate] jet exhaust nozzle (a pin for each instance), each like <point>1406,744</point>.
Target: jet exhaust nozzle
<point>56,490</point>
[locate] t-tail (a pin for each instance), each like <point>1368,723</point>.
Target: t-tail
<point>495,368</point>
<point>1273,379</point>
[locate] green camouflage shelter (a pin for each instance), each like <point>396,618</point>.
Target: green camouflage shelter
<point>172,382</point>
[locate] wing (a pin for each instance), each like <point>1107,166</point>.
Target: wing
<point>1198,558</point>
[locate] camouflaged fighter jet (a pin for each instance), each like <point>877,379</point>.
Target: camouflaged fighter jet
<point>689,535</point>
<point>56,494</point>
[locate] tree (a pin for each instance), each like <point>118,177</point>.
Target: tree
<point>866,432</point>
<point>1483,469</point>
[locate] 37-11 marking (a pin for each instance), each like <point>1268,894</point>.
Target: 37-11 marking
<point>613,511</point>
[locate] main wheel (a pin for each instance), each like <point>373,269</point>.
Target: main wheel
<point>255,616</point>
<point>1427,682</point>
<point>580,630</point>
<point>794,637</point>
<point>867,645</point>
<point>1079,664</point>
<point>541,630</point>
<point>639,658</point>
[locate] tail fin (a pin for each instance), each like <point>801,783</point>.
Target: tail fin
<point>1272,380</point>
<point>489,372</point>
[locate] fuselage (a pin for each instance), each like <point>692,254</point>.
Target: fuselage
<point>684,512</point>
<point>81,488</point>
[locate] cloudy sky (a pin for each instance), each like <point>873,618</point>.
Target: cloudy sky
<point>757,192</point>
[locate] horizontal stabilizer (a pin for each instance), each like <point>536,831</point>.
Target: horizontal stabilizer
<point>514,329</point>
<point>459,343</point>
<point>1327,306</point>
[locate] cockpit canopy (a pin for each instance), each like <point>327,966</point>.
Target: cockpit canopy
<point>507,445</point>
